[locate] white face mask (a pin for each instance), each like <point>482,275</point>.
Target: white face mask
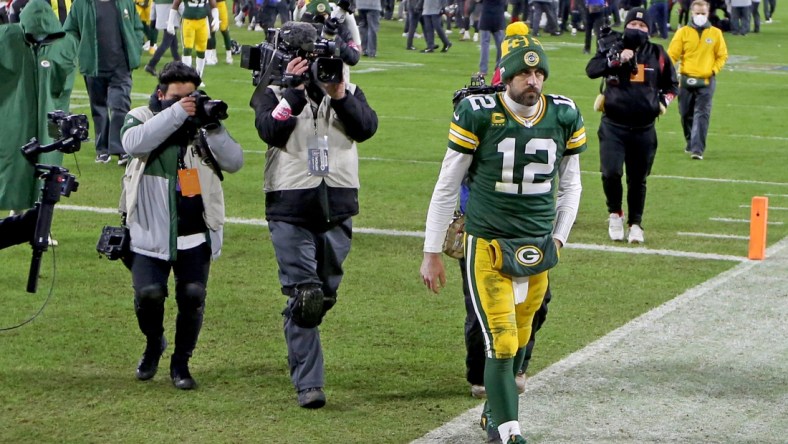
<point>699,20</point>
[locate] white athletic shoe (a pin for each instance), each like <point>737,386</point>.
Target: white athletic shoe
<point>210,57</point>
<point>478,391</point>
<point>615,227</point>
<point>476,37</point>
<point>229,58</point>
<point>146,45</point>
<point>635,235</point>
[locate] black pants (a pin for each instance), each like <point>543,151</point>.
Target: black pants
<point>149,275</point>
<point>168,42</point>
<point>634,148</point>
<point>474,339</point>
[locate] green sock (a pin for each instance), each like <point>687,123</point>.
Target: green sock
<point>501,390</point>
<point>154,35</point>
<point>212,41</point>
<point>227,42</point>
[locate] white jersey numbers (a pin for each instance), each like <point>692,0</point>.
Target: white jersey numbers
<point>530,183</point>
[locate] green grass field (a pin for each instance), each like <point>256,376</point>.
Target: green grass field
<point>394,353</point>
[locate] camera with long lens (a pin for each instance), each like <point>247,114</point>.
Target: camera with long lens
<point>209,111</point>
<point>68,130</point>
<point>476,87</point>
<point>268,60</point>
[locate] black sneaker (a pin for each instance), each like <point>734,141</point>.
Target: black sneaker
<point>427,51</point>
<point>123,159</point>
<point>411,48</point>
<point>446,47</point>
<point>181,377</point>
<point>312,398</point>
<point>103,158</point>
<point>151,70</point>
<point>149,363</point>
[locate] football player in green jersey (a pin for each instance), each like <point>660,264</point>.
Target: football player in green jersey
<point>519,149</point>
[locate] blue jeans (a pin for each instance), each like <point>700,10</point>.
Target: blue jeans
<point>484,60</point>
<point>369,23</point>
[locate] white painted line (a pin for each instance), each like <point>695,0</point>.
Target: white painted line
<point>595,173</point>
<point>464,428</point>
<point>641,250</point>
<point>771,208</point>
<point>714,236</point>
<point>743,221</point>
<point>420,234</point>
<point>775,195</point>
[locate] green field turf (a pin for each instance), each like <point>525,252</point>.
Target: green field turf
<point>394,353</point>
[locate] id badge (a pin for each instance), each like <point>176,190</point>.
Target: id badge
<point>317,156</point>
<point>640,76</point>
<point>189,182</point>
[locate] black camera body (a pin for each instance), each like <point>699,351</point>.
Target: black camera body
<point>209,111</point>
<point>268,60</point>
<point>69,130</point>
<point>114,242</point>
<point>476,87</point>
<point>611,43</point>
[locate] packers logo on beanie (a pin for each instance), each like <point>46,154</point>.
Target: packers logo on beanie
<point>318,7</point>
<point>520,52</point>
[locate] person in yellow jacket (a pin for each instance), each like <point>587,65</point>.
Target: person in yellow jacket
<point>701,52</point>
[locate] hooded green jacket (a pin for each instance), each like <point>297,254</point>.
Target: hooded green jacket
<point>37,77</point>
<point>81,23</point>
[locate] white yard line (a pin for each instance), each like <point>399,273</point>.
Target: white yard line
<point>740,221</point>
<point>713,236</point>
<point>770,208</point>
<point>420,234</point>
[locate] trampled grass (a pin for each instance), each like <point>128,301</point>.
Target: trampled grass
<point>394,353</point>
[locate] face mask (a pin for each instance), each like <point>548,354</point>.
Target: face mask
<point>700,20</point>
<point>167,103</point>
<point>634,38</point>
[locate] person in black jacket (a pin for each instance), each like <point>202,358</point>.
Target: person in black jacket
<point>640,84</point>
<point>311,193</point>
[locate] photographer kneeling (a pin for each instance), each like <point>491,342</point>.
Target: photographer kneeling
<point>640,83</point>
<point>174,207</point>
<point>311,193</point>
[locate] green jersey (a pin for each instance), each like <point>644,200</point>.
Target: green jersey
<point>195,9</point>
<point>513,176</point>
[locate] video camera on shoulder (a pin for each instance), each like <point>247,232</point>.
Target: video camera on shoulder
<point>69,131</point>
<point>476,87</point>
<point>312,41</point>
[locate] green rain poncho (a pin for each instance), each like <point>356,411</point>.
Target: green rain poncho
<point>37,64</point>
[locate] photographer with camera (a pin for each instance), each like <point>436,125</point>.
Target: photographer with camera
<point>640,82</point>
<point>311,193</point>
<point>174,206</point>
<point>37,62</point>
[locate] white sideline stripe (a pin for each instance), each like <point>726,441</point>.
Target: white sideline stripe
<point>641,250</point>
<point>607,342</point>
<point>596,173</point>
<point>420,234</point>
<point>714,236</point>
<point>775,195</point>
<point>743,221</point>
<point>771,208</point>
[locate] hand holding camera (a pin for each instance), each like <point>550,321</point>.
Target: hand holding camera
<point>294,73</point>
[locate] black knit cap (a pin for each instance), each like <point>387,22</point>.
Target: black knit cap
<point>637,14</point>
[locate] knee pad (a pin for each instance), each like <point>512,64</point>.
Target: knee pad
<point>306,306</point>
<point>190,296</point>
<point>150,295</point>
